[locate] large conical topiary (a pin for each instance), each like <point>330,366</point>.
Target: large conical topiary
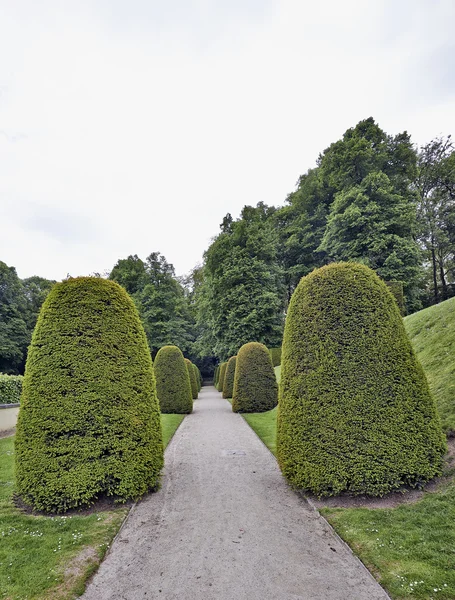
<point>192,376</point>
<point>173,385</point>
<point>221,377</point>
<point>355,412</point>
<point>89,421</point>
<point>255,386</point>
<point>228,387</point>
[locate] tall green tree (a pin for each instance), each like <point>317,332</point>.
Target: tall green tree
<point>242,296</point>
<point>435,185</point>
<point>160,299</point>
<point>14,334</point>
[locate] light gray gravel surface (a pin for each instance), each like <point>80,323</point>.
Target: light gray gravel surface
<point>225,526</point>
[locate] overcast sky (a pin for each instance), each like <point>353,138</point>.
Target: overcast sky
<point>132,126</point>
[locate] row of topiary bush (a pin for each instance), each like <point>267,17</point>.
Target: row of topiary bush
<point>89,422</point>
<point>249,379</point>
<point>10,388</point>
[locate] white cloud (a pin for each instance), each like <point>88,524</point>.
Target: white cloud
<point>129,127</point>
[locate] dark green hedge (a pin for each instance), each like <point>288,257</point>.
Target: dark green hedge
<point>228,388</point>
<point>222,376</point>
<point>192,375</point>
<point>10,388</point>
<point>89,421</point>
<point>255,386</point>
<point>173,385</point>
<point>355,412</point>
<point>215,376</point>
<point>275,355</point>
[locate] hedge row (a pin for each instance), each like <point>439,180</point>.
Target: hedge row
<point>228,387</point>
<point>355,412</point>
<point>10,388</point>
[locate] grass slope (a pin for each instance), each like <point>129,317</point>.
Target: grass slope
<point>432,333</point>
<point>410,549</point>
<point>50,558</point>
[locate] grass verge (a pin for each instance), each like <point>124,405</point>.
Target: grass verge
<point>51,558</point>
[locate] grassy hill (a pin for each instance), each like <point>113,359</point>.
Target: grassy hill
<point>432,333</point>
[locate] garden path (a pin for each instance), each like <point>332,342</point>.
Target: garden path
<point>225,525</point>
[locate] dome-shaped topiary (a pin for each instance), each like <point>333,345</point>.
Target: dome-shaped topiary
<point>275,355</point>
<point>355,412</point>
<point>196,374</point>
<point>89,421</point>
<point>192,376</point>
<point>255,386</point>
<point>222,376</point>
<point>173,385</point>
<point>229,378</point>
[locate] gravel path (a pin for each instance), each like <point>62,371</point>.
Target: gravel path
<point>225,526</point>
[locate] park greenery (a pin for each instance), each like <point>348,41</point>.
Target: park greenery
<point>372,197</point>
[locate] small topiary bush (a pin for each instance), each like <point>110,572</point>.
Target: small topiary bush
<point>222,376</point>
<point>197,375</point>
<point>255,386</point>
<point>10,388</point>
<point>275,355</point>
<point>192,375</point>
<point>355,412</point>
<point>89,421</point>
<point>215,376</point>
<point>228,388</point>
<point>173,385</point>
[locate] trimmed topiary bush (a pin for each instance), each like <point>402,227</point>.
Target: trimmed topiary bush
<point>275,355</point>
<point>173,385</point>
<point>255,386</point>
<point>215,376</point>
<point>10,388</point>
<point>89,421</point>
<point>355,412</point>
<point>222,376</point>
<point>192,376</point>
<point>228,388</point>
<point>196,374</point>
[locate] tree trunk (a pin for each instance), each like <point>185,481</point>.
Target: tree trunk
<point>435,279</point>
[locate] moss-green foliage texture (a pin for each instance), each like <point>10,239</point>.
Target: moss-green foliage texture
<point>89,421</point>
<point>255,385</point>
<point>275,355</point>
<point>223,367</point>
<point>215,376</point>
<point>10,388</point>
<point>228,388</point>
<point>355,412</point>
<point>197,375</point>
<point>173,385</point>
<point>192,376</point>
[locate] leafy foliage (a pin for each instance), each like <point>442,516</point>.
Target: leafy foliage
<point>173,386</point>
<point>222,376</point>
<point>192,377</point>
<point>255,385</point>
<point>89,421</point>
<point>228,386</point>
<point>275,355</point>
<point>355,412</point>
<point>160,299</point>
<point>10,389</point>
<point>242,296</point>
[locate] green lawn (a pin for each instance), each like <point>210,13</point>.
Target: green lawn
<point>50,558</point>
<point>410,549</point>
<point>432,333</point>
